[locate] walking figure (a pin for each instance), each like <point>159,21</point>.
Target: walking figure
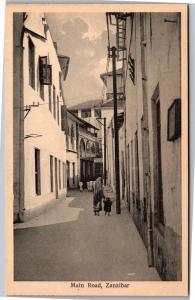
<point>107,206</point>
<point>81,186</point>
<point>97,196</point>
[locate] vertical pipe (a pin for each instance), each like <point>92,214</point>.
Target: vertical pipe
<point>117,170</point>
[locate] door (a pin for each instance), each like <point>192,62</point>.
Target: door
<point>68,173</point>
<point>56,177</point>
<point>158,163</point>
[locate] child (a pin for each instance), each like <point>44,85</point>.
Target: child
<point>80,186</point>
<point>107,206</point>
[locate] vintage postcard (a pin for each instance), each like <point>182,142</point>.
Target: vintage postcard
<point>96,100</point>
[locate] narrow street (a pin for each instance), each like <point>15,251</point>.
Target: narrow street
<point>69,243</point>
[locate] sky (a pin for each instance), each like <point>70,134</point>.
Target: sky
<point>82,37</point>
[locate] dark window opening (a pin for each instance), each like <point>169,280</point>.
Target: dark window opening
<point>37,172</point>
<point>98,113</point>
<point>51,173</point>
<point>73,173</point>
<point>31,62</point>
<point>86,113</point>
<point>58,110</point>
<point>72,137</point>
<point>54,101</point>
<point>159,166</point>
<point>45,71</point>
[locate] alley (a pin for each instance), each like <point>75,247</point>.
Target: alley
<point>69,243</point>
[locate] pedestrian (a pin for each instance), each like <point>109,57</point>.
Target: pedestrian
<point>97,196</point>
<point>81,186</point>
<point>107,206</point>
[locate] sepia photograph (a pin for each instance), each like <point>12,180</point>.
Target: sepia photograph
<point>97,116</point>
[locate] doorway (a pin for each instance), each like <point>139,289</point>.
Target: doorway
<point>158,190</point>
<point>56,177</point>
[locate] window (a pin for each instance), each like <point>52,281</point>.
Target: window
<point>60,75</point>
<point>82,148</point>
<point>98,113</point>
<point>58,110</point>
<point>73,173</point>
<point>93,148</point>
<point>54,101</point>
<point>37,172</point>
<point>45,71</point>
<point>49,94</point>
<point>67,138</point>
<point>174,120</point>
<point>72,136</point>
<point>31,62</point>
<point>131,65</point>
<point>75,112</point>
<point>60,175</point>
<point>86,113</point>
<point>51,173</point>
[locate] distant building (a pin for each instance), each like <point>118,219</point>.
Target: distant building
<point>72,155</point>
<point>90,111</point>
<point>94,112</point>
<point>39,141</point>
<point>83,151</point>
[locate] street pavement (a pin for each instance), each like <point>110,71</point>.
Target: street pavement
<point>69,243</point>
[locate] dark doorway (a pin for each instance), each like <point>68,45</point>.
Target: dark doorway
<point>158,191</point>
<point>68,173</point>
<point>56,177</point>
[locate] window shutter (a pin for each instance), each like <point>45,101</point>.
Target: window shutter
<point>45,71</point>
<point>64,121</point>
<point>174,120</point>
<point>131,64</point>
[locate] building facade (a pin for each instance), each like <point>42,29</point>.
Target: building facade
<point>151,136</point>
<point>83,151</point>
<point>89,153</point>
<point>72,156</point>
<point>42,164</point>
<point>90,112</point>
